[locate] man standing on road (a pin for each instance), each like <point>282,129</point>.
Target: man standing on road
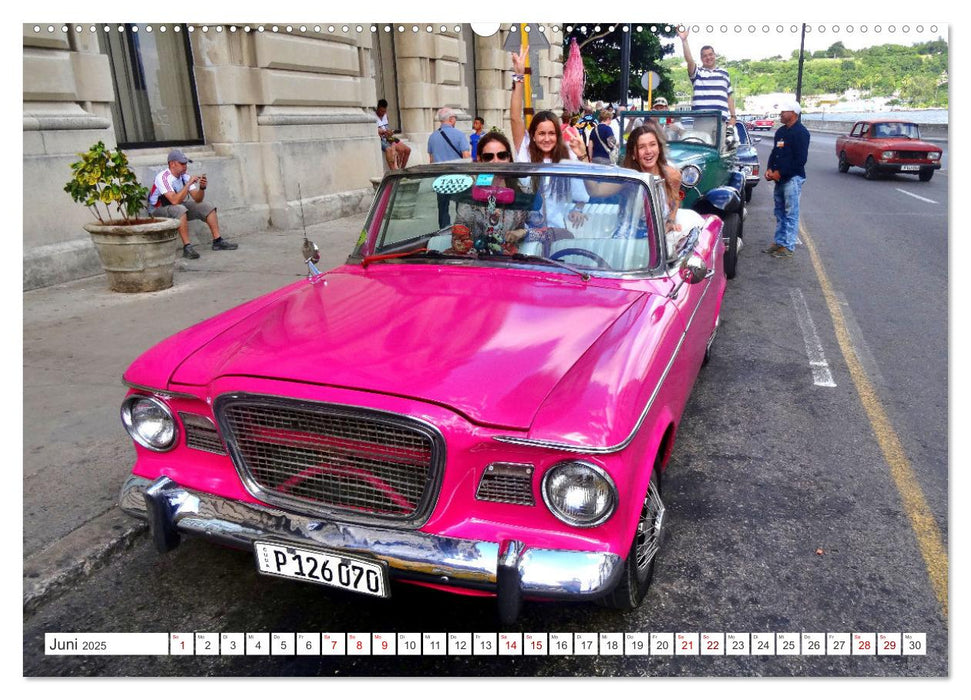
<point>712,86</point>
<point>787,167</point>
<point>444,144</point>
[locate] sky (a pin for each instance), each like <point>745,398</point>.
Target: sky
<point>766,38</point>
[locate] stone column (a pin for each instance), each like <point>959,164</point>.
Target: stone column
<point>67,94</point>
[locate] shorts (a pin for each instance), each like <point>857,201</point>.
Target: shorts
<point>194,210</point>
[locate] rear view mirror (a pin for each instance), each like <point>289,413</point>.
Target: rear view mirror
<point>502,195</point>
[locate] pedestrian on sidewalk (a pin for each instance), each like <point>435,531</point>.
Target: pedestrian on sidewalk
<point>176,196</point>
<point>444,144</point>
<point>478,124</point>
<point>787,168</point>
<point>396,152</point>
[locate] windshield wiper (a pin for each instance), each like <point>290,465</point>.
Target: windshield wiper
<point>421,252</point>
<point>523,257</point>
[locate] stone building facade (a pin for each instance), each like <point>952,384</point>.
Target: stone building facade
<point>279,117</point>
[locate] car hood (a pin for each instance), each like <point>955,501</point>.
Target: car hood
<point>897,143</point>
<point>680,154</point>
<point>488,343</point>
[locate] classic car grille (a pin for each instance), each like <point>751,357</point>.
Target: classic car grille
<point>331,457</point>
<point>507,483</point>
<point>911,155</point>
<point>201,434</point>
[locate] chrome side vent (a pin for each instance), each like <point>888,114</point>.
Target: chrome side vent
<point>504,482</point>
<point>201,434</point>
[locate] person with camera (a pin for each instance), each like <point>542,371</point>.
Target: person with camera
<point>175,195</point>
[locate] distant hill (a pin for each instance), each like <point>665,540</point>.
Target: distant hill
<point>912,76</point>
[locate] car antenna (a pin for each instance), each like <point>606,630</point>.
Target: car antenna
<point>311,253</point>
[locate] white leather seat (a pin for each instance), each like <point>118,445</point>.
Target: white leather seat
<point>619,253</point>
<point>601,221</point>
<point>442,241</point>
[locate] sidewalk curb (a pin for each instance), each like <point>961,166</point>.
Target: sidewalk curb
<point>58,568</point>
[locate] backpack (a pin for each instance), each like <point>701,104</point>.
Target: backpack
<point>612,148</point>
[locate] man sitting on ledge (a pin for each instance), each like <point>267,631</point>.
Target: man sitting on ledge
<point>175,196</point>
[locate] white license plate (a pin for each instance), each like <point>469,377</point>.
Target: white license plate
<point>910,167</point>
<point>344,571</point>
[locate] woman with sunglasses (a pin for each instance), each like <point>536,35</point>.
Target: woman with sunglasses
<point>493,230</point>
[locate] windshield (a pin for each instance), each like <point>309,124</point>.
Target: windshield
<point>680,127</point>
<point>893,130</point>
<point>597,224</point>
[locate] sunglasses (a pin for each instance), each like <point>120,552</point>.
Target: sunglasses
<point>501,155</point>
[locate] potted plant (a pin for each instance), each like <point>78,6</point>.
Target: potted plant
<point>138,254</point>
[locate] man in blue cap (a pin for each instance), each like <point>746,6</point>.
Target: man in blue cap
<point>174,195</point>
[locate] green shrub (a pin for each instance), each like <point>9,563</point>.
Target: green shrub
<point>102,179</point>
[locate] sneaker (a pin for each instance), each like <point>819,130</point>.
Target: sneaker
<point>772,248</point>
<point>782,253</point>
<point>189,252</point>
<point>223,244</point>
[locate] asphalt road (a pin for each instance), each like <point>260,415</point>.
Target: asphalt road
<point>783,511</point>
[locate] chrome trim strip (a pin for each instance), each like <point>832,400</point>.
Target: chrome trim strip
<point>544,573</point>
<point>610,449</point>
<point>159,392</point>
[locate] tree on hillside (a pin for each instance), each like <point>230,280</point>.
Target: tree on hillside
<point>600,46</point>
<point>837,50</point>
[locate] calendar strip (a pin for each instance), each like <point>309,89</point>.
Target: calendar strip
<point>487,644</point>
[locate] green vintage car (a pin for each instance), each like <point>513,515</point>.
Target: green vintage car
<point>699,144</point>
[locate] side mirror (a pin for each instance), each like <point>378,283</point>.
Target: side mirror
<point>693,269</point>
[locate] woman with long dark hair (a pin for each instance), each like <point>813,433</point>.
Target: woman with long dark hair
<point>646,154</point>
<point>563,198</point>
<point>484,226</point>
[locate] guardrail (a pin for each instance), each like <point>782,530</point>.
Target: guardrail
<point>930,132</point>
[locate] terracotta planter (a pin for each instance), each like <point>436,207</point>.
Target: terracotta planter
<point>137,257</point>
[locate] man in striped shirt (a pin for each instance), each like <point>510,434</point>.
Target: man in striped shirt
<point>712,86</point>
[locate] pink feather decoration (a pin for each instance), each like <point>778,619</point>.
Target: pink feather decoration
<point>571,87</point>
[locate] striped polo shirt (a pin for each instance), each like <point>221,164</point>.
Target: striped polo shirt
<point>711,89</point>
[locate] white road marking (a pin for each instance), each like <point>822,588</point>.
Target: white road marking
<point>916,196</point>
<point>814,348</point>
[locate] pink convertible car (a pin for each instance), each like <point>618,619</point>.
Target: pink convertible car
<point>483,407</point>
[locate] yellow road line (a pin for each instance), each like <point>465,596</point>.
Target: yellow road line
<point>929,538</point>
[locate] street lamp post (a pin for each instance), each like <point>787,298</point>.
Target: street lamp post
<point>802,46</point>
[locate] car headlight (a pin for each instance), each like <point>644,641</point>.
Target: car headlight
<point>149,422</point>
<point>887,155</point>
<point>690,175</point>
<point>934,156</point>
<point>579,493</point>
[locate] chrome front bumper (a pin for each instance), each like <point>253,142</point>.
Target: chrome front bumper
<point>508,569</point>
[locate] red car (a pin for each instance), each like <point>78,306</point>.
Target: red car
<point>763,124</point>
<point>888,146</point>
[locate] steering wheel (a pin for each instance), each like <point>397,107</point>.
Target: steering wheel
<point>693,139</point>
<point>583,253</point>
